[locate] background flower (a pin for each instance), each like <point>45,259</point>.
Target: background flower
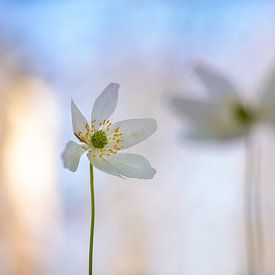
<point>223,114</point>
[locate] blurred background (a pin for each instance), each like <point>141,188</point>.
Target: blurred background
<point>188,220</point>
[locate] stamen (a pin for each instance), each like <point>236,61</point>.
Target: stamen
<point>80,136</point>
<point>93,124</point>
<point>100,137</point>
<point>87,126</point>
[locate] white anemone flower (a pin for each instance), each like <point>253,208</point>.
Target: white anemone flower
<point>223,115</point>
<point>102,140</point>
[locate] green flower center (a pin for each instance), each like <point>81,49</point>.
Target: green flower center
<point>243,115</point>
<point>99,139</point>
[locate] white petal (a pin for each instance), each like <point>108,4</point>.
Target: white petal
<point>209,121</point>
<point>217,85</point>
<point>215,134</point>
<point>102,164</point>
<point>132,166</point>
<point>78,119</point>
<point>71,155</point>
<point>199,112</point>
<point>105,103</point>
<point>135,130</point>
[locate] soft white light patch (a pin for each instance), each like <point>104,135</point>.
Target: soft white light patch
<point>29,165</point>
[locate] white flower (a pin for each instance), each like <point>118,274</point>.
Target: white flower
<point>102,140</point>
<point>224,115</point>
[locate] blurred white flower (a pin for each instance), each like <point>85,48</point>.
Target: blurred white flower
<point>102,140</point>
<point>223,115</point>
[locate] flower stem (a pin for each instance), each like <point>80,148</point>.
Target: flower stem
<point>252,200</point>
<point>92,220</point>
<point>258,215</point>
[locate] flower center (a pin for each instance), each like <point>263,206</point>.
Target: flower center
<point>99,139</point>
<point>243,115</point>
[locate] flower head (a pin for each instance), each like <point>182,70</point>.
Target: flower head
<point>223,115</point>
<point>102,140</point>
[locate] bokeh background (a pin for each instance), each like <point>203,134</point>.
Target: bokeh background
<point>188,220</point>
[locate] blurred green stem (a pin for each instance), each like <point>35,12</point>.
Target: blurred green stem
<point>258,214</point>
<point>252,199</point>
<point>92,220</point>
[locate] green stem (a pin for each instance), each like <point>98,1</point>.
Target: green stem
<point>248,208</point>
<point>92,229</point>
<point>258,213</point>
<point>252,194</point>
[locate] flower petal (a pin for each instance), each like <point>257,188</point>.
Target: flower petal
<point>105,103</point>
<point>215,134</point>
<point>199,112</point>
<point>208,120</point>
<point>217,85</point>
<point>102,164</point>
<point>71,155</point>
<point>78,119</point>
<point>134,130</point>
<point>132,166</point>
